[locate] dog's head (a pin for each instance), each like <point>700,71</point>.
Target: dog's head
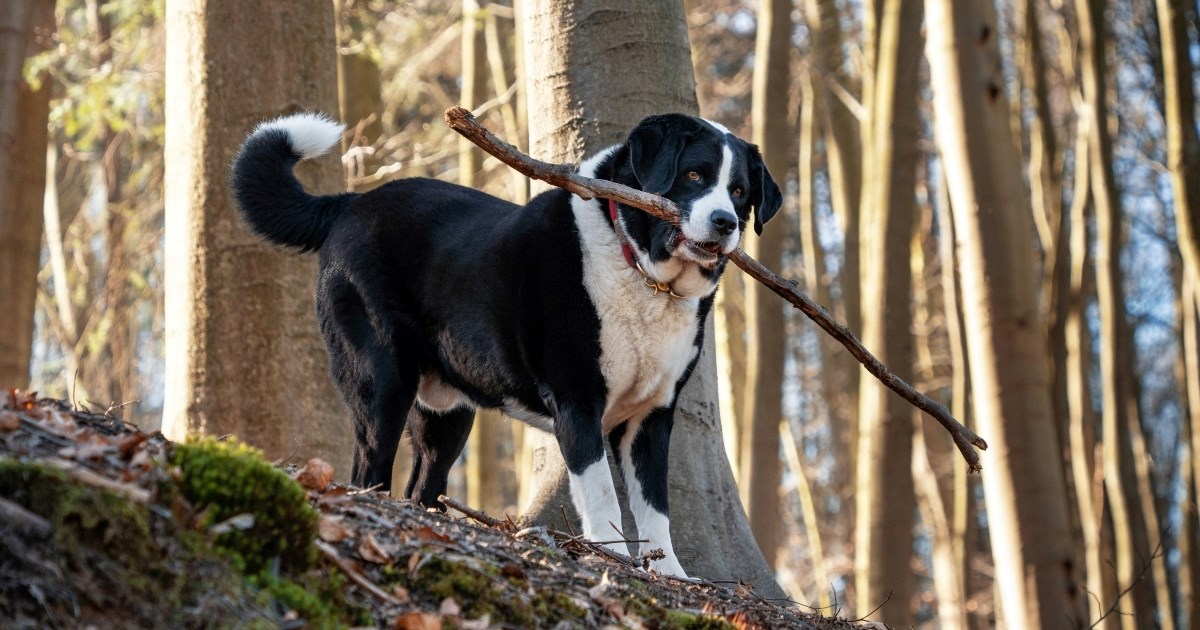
<point>718,181</point>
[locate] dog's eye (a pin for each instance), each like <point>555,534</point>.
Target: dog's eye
<point>693,175</point>
<point>737,193</point>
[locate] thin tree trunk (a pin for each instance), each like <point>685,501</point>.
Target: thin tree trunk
<point>1120,406</point>
<point>934,491</point>
<point>812,529</point>
<point>885,501</point>
<point>1190,321</point>
<point>243,352</point>
<point>587,101</point>
<point>1026,500</point>
<point>26,28</point>
<point>1183,142</point>
<point>759,461</point>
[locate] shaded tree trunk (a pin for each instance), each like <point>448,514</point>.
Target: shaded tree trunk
<point>243,352</point>
<point>26,28</point>
<point>1026,500</point>
<point>1121,426</point>
<point>885,501</point>
<point>596,69</point>
<point>759,461</point>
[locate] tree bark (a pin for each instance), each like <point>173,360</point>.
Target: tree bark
<point>243,352</point>
<point>885,502</point>
<point>1026,500</point>
<point>26,28</point>
<point>596,69</point>
<point>759,462</point>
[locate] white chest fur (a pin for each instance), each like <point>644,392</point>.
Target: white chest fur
<point>646,340</point>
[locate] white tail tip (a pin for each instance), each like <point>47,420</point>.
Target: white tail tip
<point>310,133</point>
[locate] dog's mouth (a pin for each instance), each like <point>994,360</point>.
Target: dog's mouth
<point>703,252</point>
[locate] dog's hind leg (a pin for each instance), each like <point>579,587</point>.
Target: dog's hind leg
<point>642,450</point>
<point>376,388</point>
<point>438,438</point>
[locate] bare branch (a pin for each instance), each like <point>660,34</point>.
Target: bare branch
<point>564,176</point>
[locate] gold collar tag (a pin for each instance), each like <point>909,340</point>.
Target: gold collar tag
<point>658,287</point>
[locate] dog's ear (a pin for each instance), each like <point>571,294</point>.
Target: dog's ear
<point>764,193</point>
<point>654,148</point>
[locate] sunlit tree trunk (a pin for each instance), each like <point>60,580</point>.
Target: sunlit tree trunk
<point>759,462</point>
<point>243,352</point>
<point>1189,587</point>
<point>26,28</point>
<point>884,490</point>
<point>1036,571</point>
<point>593,81</point>
<point>933,452</point>
<point>1183,143</point>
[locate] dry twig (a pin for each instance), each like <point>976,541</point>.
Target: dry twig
<point>355,575</point>
<point>564,176</point>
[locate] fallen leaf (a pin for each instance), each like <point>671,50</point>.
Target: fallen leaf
<point>513,571</point>
<point>317,474</point>
<point>372,551</point>
<point>331,529</point>
<point>425,534</point>
<point>414,561</point>
<point>449,608</point>
<point>599,589</point>
<point>417,620</point>
<point>401,594</point>
<point>130,443</point>
<point>9,421</point>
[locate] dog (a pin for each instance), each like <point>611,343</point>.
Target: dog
<point>583,318</point>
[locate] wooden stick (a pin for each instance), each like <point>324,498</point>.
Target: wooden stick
<point>354,574</point>
<point>564,176</point>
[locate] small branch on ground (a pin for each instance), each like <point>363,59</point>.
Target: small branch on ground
<point>355,575</point>
<point>477,515</point>
<point>25,523</point>
<point>564,176</point>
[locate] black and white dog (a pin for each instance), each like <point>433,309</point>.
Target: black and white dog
<point>582,318</point>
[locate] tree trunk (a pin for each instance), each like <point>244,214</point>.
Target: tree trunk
<point>1183,143</point>
<point>885,501</point>
<point>1026,500</point>
<point>759,461</point>
<point>596,69</point>
<point>1120,420</point>
<point>1190,588</point>
<point>243,352</point>
<point>26,28</point>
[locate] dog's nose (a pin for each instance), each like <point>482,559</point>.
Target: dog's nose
<point>723,222</point>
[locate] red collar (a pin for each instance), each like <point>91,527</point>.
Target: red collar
<point>626,247</point>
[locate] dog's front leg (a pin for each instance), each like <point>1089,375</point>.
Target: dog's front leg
<point>592,491</point>
<point>643,454</point>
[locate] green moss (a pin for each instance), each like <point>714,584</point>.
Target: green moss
<point>663,619</point>
<point>111,555</point>
<point>223,479</point>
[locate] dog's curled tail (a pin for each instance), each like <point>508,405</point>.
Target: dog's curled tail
<point>272,201</point>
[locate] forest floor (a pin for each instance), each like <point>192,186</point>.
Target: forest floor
<point>102,525</point>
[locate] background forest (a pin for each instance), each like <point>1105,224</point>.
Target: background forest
<point>1000,199</point>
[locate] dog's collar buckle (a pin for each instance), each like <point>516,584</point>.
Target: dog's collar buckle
<point>658,285</point>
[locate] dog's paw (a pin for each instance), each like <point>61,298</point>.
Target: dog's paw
<point>668,565</point>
